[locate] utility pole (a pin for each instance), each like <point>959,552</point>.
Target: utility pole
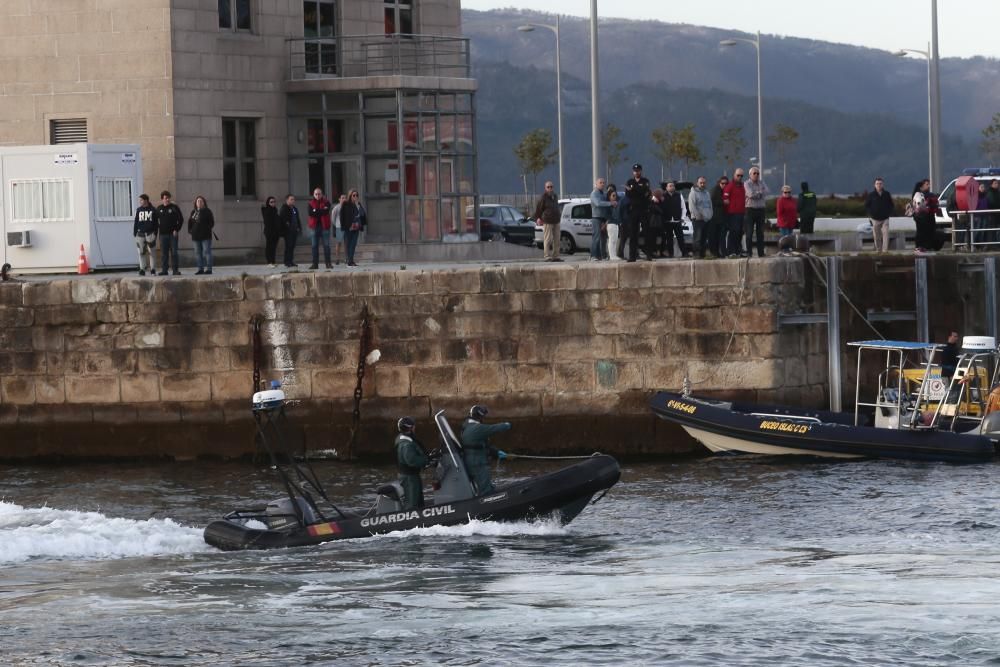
<point>595,124</point>
<point>935,83</point>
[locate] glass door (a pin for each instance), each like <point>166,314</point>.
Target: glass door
<point>345,174</point>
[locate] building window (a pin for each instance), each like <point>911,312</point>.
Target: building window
<point>40,200</point>
<point>114,198</point>
<point>398,17</point>
<point>319,27</point>
<point>235,15</point>
<point>68,131</point>
<point>239,158</point>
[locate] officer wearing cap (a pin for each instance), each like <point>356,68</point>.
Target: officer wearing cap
<point>640,197</point>
<point>476,447</point>
<point>411,457</point>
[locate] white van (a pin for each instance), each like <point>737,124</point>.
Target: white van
<point>576,228</point>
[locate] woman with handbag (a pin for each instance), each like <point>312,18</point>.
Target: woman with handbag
<point>923,206</point>
<point>353,220</point>
<point>200,225</point>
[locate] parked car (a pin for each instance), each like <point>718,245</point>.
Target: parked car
<point>501,222</point>
<point>576,229</point>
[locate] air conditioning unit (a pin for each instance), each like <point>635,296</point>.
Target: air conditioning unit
<point>20,239</point>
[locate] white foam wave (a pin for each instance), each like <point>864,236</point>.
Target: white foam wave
<point>475,527</point>
<point>44,532</point>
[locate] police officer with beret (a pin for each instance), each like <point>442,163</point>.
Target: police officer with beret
<point>640,197</point>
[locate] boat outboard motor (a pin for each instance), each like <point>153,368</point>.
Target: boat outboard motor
<point>390,498</point>
<point>281,514</point>
<point>991,426</point>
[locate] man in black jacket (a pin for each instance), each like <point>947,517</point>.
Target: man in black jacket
<point>171,221</point>
<point>880,207</point>
<point>673,217</point>
<point>547,214</point>
<point>144,230</point>
<point>640,198</point>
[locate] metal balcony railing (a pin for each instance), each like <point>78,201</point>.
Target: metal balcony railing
<point>378,55</point>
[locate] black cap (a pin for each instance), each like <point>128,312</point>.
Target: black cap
<point>636,167</point>
<point>406,424</point>
<point>478,411</point>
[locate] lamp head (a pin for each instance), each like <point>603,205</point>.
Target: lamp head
<point>728,42</point>
<point>901,53</point>
<point>525,28</point>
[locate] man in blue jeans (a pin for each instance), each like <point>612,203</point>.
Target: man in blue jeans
<point>171,221</point>
<point>600,211</point>
<point>319,226</point>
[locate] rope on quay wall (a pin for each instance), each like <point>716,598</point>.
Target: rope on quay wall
<point>813,261</point>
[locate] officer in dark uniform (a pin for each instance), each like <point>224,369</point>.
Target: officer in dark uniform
<point>411,458</point>
<point>476,448</point>
<point>640,199</point>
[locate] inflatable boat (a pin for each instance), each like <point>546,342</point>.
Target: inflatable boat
<point>915,413</point>
<point>306,516</point>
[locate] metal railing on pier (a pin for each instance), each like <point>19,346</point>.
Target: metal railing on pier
<point>975,230</point>
<point>378,55</point>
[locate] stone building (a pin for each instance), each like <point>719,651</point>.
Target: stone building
<point>240,99</point>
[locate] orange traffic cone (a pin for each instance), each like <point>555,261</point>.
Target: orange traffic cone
<point>82,266</point>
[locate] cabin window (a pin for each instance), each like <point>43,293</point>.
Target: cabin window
<point>114,198</point>
<point>40,200</point>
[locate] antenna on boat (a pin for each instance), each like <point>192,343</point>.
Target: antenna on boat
<point>686,387</point>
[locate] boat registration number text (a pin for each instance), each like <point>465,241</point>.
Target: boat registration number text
<point>683,407</point>
<point>784,427</point>
<point>395,517</point>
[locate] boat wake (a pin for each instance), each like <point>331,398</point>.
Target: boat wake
<point>476,528</point>
<point>47,533</point>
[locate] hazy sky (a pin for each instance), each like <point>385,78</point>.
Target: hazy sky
<point>964,28</point>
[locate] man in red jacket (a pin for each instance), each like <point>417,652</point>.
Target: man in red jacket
<point>319,227</point>
<point>734,199</point>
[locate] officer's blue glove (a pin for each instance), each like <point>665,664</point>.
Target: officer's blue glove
<point>501,455</point>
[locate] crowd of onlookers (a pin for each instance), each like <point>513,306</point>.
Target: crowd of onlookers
<point>728,220</point>
<point>342,223</point>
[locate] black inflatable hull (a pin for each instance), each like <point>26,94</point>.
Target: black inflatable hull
<point>778,430</point>
<point>564,494</point>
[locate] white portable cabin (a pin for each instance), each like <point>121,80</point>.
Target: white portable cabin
<point>55,198</point>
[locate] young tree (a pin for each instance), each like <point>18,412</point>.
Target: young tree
<point>784,137</point>
<point>729,147</point>
<point>990,145</point>
<point>613,149</point>
<point>686,148</point>
<point>663,141</point>
<point>534,155</point>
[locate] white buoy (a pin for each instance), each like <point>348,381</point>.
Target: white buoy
<point>373,356</point>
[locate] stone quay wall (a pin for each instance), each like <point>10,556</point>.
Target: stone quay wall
<point>131,367</point>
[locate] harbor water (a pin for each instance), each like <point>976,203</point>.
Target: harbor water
<point>716,561</point>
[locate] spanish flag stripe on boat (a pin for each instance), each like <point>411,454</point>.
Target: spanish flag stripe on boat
<point>330,528</point>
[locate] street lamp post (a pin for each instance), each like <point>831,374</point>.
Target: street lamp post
<point>930,108</point>
<point>760,100</point>
<point>530,27</point>
<point>595,118</point>
<point>935,101</point>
